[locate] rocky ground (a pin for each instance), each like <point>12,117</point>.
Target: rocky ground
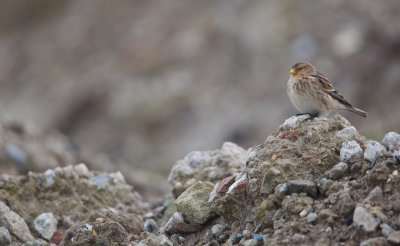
<point>312,182</point>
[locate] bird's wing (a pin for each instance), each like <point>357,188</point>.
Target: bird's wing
<point>328,88</point>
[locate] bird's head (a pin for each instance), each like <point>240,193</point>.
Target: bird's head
<point>302,69</point>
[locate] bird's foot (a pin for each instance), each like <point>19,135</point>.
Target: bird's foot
<point>311,116</point>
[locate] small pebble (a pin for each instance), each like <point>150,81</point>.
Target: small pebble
<point>250,242</point>
<point>351,152</point>
<point>235,238</point>
<point>82,170</point>
<point>151,226</point>
<point>278,223</point>
<point>258,237</point>
<point>337,172</point>
<point>56,238</point>
<point>5,237</point>
<point>386,230</point>
<point>324,185</point>
<point>373,150</point>
<point>396,205</point>
<point>223,237</point>
<point>149,215</point>
<point>300,186</point>
<point>281,190</point>
<point>347,133</point>
<point>328,229</point>
<point>293,121</point>
<point>100,181</point>
<point>298,238</point>
<point>303,213</point>
<point>311,217</point>
<point>49,177</point>
<point>396,155</point>
<point>375,194</point>
<point>217,230</point>
<point>45,224</point>
<point>247,234</point>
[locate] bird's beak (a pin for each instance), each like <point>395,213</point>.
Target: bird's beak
<point>292,72</point>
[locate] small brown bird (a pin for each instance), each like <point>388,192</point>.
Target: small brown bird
<point>312,93</point>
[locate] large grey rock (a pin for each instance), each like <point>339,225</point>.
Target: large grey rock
<point>350,152</point>
<point>373,150</point>
<point>14,223</point>
<point>391,141</point>
<point>193,203</point>
<point>365,220</point>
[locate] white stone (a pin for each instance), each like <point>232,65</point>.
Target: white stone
<point>303,213</point>
<point>49,177</point>
<point>82,170</point>
<point>311,217</point>
<point>45,224</point>
<point>350,152</point>
<point>118,177</point>
<point>293,121</point>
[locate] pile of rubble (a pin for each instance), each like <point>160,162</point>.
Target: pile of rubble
<point>313,182</point>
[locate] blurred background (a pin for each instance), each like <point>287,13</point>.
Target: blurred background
<point>145,82</point>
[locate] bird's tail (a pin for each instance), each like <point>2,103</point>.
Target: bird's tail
<point>358,111</point>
